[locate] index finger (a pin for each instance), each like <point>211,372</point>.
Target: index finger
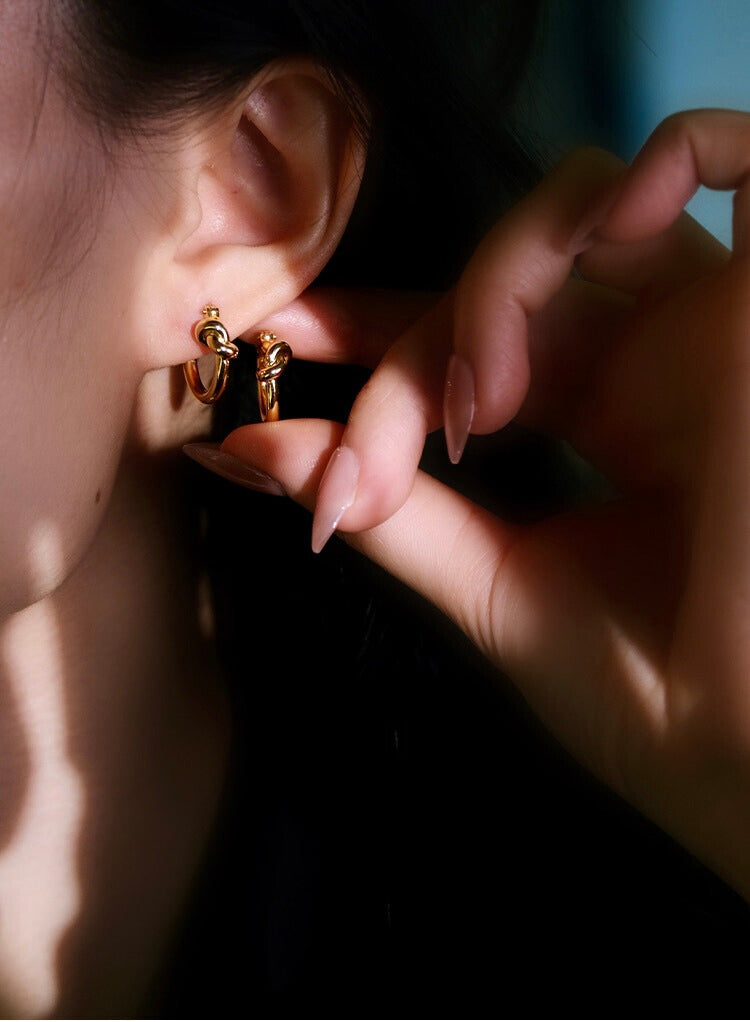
<point>517,268</point>
<point>691,148</point>
<point>352,325</point>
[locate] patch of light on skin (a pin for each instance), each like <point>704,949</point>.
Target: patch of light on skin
<point>39,886</point>
<point>638,664</point>
<point>45,557</point>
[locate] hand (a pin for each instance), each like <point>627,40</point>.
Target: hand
<point>624,624</point>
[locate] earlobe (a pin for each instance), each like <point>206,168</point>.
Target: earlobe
<point>263,207</point>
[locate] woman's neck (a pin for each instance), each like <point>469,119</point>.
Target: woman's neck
<point>114,734</point>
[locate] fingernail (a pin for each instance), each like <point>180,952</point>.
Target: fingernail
<point>595,216</point>
<point>458,406</point>
<point>335,494</point>
<point>226,465</point>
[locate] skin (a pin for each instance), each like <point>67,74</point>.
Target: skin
<point>113,717</point>
<point>641,672</point>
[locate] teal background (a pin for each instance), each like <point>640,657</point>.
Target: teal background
<point>607,73</point>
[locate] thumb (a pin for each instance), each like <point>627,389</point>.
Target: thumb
<point>521,594</point>
<point>439,543</point>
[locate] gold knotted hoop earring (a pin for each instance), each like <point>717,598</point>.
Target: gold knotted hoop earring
<point>211,332</point>
<point>272,359</point>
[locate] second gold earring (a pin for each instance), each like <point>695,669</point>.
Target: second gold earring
<point>272,359</point>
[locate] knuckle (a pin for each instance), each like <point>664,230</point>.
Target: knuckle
<point>678,130</point>
<point>674,124</point>
<point>674,131</point>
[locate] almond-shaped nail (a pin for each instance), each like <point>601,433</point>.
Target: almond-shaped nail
<point>210,456</point>
<point>336,493</point>
<point>458,406</point>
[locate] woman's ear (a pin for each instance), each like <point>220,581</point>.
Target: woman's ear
<point>257,201</point>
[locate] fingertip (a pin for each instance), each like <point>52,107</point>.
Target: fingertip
<point>293,451</point>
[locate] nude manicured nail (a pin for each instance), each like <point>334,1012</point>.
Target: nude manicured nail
<point>458,406</point>
<point>231,468</point>
<point>336,493</point>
